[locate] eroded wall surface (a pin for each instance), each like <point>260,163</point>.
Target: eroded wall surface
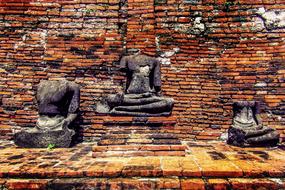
<point>213,52</point>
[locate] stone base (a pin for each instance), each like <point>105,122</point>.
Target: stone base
<point>237,137</point>
<point>59,138</point>
<point>139,136</point>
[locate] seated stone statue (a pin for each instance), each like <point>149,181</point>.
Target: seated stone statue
<point>58,103</point>
<point>142,96</point>
<point>247,129</point>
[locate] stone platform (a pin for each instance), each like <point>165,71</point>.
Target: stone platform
<point>139,136</point>
<point>206,165</point>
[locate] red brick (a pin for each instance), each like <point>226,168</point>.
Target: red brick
<point>27,184</point>
<point>192,184</point>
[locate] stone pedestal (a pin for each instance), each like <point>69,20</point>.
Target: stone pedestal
<point>139,136</point>
<point>42,139</point>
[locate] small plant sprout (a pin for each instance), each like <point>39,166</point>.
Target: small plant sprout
<point>50,147</point>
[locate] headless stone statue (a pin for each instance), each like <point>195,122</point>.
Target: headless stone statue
<point>58,103</point>
<point>142,96</point>
<point>247,128</point>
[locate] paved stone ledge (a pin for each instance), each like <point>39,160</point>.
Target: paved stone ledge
<point>210,160</point>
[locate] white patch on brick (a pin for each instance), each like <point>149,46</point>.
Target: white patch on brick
<point>257,24</point>
<point>164,58</point>
<point>273,19</point>
<point>277,180</point>
<point>27,38</point>
<point>224,136</point>
<point>261,84</point>
<point>42,3</point>
<point>197,27</point>
<point>157,43</point>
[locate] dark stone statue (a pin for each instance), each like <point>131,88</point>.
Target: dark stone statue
<point>142,95</point>
<point>58,103</point>
<point>247,128</point>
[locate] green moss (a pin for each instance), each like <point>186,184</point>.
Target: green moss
<point>159,2</point>
<point>227,5</point>
<point>239,19</point>
<point>89,11</point>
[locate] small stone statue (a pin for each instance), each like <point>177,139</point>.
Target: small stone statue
<point>247,129</point>
<point>58,103</point>
<point>142,96</point>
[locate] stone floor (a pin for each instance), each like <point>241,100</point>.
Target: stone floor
<point>207,165</point>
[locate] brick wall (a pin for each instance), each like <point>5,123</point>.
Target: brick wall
<point>213,53</point>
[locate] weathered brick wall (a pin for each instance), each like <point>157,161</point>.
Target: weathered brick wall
<point>213,52</point>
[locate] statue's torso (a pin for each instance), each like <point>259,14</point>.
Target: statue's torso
<point>245,118</point>
<point>52,96</point>
<point>140,68</point>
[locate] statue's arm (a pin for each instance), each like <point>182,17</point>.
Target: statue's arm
<point>124,68</point>
<point>74,103</point>
<point>258,119</point>
<point>157,77</point>
<point>123,63</point>
<point>258,131</point>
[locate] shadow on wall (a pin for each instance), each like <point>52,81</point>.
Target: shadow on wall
<point>76,126</point>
